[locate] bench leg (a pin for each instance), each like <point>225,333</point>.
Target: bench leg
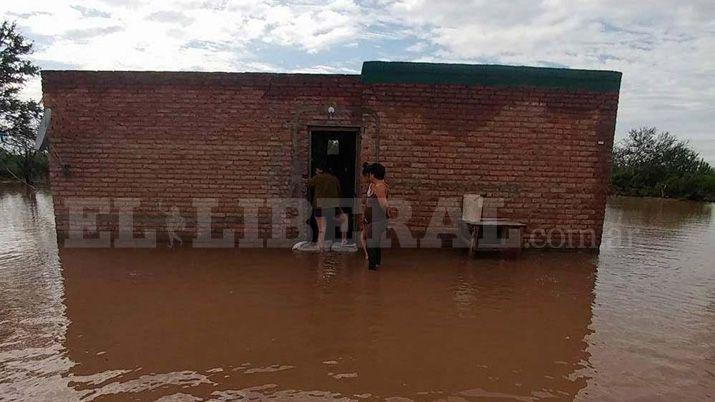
<point>471,243</point>
<point>474,241</point>
<point>514,243</point>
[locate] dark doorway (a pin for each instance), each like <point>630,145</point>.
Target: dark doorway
<point>337,150</point>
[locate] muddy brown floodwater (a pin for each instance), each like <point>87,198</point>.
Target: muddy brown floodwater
<point>636,322</point>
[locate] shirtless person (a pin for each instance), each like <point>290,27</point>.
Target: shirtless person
<point>376,214</point>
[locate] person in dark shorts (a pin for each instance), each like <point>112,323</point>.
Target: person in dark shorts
<point>376,214</point>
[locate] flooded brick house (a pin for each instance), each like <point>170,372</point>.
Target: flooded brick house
<point>537,141</point>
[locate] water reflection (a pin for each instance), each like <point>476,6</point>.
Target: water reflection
<point>201,322</point>
<point>32,315</point>
<point>653,325</point>
<point>635,321</point>
<point>658,212</point>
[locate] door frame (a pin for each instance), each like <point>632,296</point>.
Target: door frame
<point>357,130</point>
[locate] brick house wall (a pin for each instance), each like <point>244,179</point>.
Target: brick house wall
<point>539,150</point>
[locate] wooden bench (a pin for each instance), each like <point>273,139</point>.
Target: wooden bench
<point>492,235</point>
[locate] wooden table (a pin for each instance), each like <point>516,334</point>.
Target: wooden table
<point>493,235</point>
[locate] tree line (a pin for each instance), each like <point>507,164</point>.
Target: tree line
<point>19,118</point>
<point>649,163</point>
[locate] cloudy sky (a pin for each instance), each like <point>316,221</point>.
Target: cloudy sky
<point>665,49</point>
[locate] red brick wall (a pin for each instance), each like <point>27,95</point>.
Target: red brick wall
<point>169,137</point>
<point>534,153</point>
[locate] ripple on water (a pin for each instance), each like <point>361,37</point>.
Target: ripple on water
<point>636,321</point>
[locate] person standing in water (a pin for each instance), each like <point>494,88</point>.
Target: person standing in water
<point>363,221</point>
<point>326,192</point>
<point>376,214</point>
<point>174,223</point>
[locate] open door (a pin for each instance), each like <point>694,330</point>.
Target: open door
<point>337,150</point>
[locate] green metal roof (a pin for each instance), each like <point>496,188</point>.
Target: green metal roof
<point>381,72</point>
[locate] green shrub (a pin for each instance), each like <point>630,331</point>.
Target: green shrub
<point>14,167</point>
<point>652,164</point>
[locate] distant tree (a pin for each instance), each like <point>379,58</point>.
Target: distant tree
<point>18,118</point>
<point>652,163</point>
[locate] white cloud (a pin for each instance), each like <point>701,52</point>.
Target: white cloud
<point>664,49</point>
<point>418,47</point>
<point>322,69</point>
<point>159,34</point>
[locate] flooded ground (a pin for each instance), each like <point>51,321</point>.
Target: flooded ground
<point>635,322</point>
